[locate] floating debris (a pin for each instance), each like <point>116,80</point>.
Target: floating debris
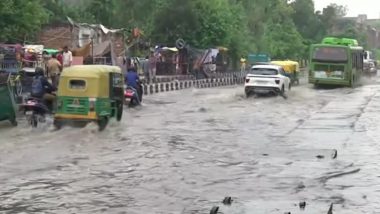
<point>227,201</point>
<point>302,205</point>
<point>331,209</point>
<point>214,210</point>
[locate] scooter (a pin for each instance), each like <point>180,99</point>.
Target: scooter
<point>35,111</point>
<point>132,97</point>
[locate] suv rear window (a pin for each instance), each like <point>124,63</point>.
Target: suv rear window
<point>77,84</point>
<point>263,71</point>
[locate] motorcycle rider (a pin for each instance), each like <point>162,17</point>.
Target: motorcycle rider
<point>42,89</point>
<point>132,80</point>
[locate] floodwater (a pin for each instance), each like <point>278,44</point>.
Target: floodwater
<point>184,151</point>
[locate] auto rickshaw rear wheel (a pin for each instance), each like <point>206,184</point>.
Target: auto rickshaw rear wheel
<point>57,124</point>
<point>102,123</point>
<point>33,121</point>
<point>119,114</point>
<point>14,122</point>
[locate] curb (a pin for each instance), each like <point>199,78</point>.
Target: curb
<point>225,80</point>
<point>165,79</point>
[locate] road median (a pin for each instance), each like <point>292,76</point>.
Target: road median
<point>180,84</point>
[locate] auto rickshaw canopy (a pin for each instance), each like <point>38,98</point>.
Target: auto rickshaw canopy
<point>87,81</point>
<point>288,65</point>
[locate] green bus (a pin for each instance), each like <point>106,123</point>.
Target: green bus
<point>336,61</point>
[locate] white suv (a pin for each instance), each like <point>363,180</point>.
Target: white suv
<point>266,79</point>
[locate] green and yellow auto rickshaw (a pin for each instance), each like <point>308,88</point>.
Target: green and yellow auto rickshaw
<point>90,93</point>
<point>291,68</point>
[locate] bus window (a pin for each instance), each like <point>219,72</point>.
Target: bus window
<point>359,58</point>
<point>353,58</point>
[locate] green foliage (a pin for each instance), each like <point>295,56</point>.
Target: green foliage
<point>20,18</point>
<point>104,11</point>
<point>58,10</point>
<point>284,29</point>
<point>308,24</point>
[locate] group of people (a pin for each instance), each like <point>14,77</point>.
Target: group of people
<point>41,86</point>
<point>56,64</point>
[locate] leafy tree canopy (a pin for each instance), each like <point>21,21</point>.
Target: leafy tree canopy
<point>281,28</point>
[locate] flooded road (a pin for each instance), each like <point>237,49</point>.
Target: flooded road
<point>184,151</point>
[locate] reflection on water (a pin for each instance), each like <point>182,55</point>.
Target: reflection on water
<point>184,151</point>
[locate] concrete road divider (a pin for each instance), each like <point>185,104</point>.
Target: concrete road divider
<point>218,81</point>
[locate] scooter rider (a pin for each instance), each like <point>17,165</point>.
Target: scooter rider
<point>41,88</point>
<point>132,79</point>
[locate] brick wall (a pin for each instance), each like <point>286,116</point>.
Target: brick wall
<point>55,36</point>
<point>59,35</point>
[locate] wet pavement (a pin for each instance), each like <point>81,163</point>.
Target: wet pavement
<point>184,151</point>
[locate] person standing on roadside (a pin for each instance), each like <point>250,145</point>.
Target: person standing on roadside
<point>60,57</point>
<point>67,57</point>
<point>152,67</point>
<point>54,68</point>
<point>145,68</point>
<point>243,64</point>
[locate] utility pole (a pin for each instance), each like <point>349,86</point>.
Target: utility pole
<point>92,50</point>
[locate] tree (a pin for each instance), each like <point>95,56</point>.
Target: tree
<point>306,21</point>
<point>20,19</point>
<point>59,10</point>
<point>331,14</point>
<point>103,11</point>
<point>281,28</point>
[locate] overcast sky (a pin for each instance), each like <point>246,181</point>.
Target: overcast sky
<point>355,7</point>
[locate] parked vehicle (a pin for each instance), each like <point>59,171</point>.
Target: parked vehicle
<point>90,93</point>
<point>291,68</point>
<point>267,79</point>
<point>7,104</point>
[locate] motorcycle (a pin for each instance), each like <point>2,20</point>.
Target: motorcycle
<point>131,96</point>
<point>35,111</point>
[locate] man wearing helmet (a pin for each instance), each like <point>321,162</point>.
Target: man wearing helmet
<point>41,88</point>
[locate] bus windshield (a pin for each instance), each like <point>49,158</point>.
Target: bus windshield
<point>330,54</point>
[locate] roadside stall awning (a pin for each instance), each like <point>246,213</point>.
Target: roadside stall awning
<point>34,48</point>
